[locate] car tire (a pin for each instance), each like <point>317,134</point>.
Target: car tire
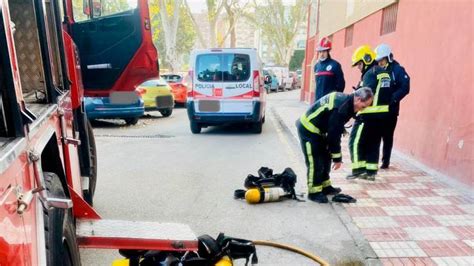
<point>257,127</point>
<point>131,121</point>
<point>166,112</point>
<point>195,127</point>
<point>60,234</point>
<point>90,191</point>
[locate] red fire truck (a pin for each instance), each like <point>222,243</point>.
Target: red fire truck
<point>50,51</point>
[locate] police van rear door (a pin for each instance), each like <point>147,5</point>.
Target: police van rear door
<point>223,82</point>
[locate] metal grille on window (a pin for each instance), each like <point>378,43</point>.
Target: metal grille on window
<point>348,36</point>
<point>389,19</point>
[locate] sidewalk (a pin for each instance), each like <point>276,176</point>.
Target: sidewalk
<point>408,216</point>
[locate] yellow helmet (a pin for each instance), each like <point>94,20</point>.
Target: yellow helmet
<point>364,53</point>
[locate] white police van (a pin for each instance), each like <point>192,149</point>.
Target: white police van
<point>227,86</point>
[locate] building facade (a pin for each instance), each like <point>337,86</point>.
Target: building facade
<point>433,40</point>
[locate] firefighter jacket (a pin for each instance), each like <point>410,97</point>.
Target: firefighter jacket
<point>329,77</point>
<point>389,85</point>
<point>365,70</point>
<point>326,118</point>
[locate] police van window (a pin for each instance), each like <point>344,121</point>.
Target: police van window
<point>109,7</point>
<point>223,67</point>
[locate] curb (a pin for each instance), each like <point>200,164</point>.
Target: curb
<point>361,243</point>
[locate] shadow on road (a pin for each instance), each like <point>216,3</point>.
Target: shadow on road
<point>229,130</point>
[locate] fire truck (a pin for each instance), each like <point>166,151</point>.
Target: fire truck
<point>53,53</point>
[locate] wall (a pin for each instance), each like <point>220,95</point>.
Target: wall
<point>434,42</point>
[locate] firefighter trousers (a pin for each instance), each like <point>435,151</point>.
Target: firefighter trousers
<point>318,161</point>
<point>357,147</point>
<point>376,128</point>
<point>387,139</point>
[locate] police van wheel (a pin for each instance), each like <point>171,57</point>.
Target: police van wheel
<point>61,246</point>
<point>257,127</point>
<point>195,127</point>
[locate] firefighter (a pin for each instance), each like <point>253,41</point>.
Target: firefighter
<point>364,58</point>
<point>328,72</point>
<point>400,88</point>
<point>320,130</point>
<point>391,84</point>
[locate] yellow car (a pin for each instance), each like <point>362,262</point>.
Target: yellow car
<point>156,94</point>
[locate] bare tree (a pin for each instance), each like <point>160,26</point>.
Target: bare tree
<point>170,29</point>
<point>279,25</point>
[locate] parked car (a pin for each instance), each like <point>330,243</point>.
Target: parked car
<point>228,87</point>
<point>273,86</point>
<point>178,87</point>
<point>282,73</point>
<point>120,105</point>
<point>299,78</point>
<point>157,95</point>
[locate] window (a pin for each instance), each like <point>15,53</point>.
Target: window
<point>389,19</point>
<point>223,67</point>
<point>100,8</point>
<point>172,78</point>
<point>348,36</point>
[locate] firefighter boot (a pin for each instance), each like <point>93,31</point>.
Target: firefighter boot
<point>330,190</point>
<point>318,197</point>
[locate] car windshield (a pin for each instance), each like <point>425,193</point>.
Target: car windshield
<point>154,82</point>
<point>223,67</point>
<point>172,78</point>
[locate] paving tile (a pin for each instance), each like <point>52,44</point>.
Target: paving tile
<point>443,210</point>
<point>365,203</point>
<point>463,200</point>
<point>463,232</point>
<point>435,201</point>
<point>434,185</point>
<point>384,234</point>
<point>455,220</point>
<point>409,186</point>
<point>378,186</point>
<point>407,262</point>
<point>469,208</point>
<point>350,187</point>
<point>445,248</point>
<point>469,243</point>
<point>451,261</point>
<point>399,249</point>
<point>424,178</point>
<point>391,173</point>
<point>430,233</point>
<point>365,211</point>
<point>446,192</point>
<point>400,179</point>
<point>385,194</point>
<point>416,221</point>
<point>393,202</point>
<point>375,222</point>
<point>419,193</point>
<point>358,194</point>
<point>404,210</point>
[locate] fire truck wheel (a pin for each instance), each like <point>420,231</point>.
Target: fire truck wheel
<point>60,237</point>
<point>89,192</point>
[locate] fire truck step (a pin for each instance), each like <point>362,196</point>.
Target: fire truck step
<point>117,234</point>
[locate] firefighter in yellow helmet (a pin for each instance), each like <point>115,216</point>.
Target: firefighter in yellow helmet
<point>363,59</point>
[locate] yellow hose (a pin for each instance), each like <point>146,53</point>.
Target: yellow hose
<point>293,249</point>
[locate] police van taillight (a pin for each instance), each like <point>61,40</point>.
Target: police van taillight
<point>256,83</point>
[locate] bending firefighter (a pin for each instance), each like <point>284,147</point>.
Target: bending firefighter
<point>320,130</point>
<point>390,84</point>
<point>364,59</point>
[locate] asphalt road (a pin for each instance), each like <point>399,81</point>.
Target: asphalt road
<point>158,171</point>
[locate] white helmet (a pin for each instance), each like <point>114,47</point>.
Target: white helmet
<point>382,51</point>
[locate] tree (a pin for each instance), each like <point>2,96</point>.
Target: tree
<point>173,45</point>
<point>279,25</point>
<point>296,60</point>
